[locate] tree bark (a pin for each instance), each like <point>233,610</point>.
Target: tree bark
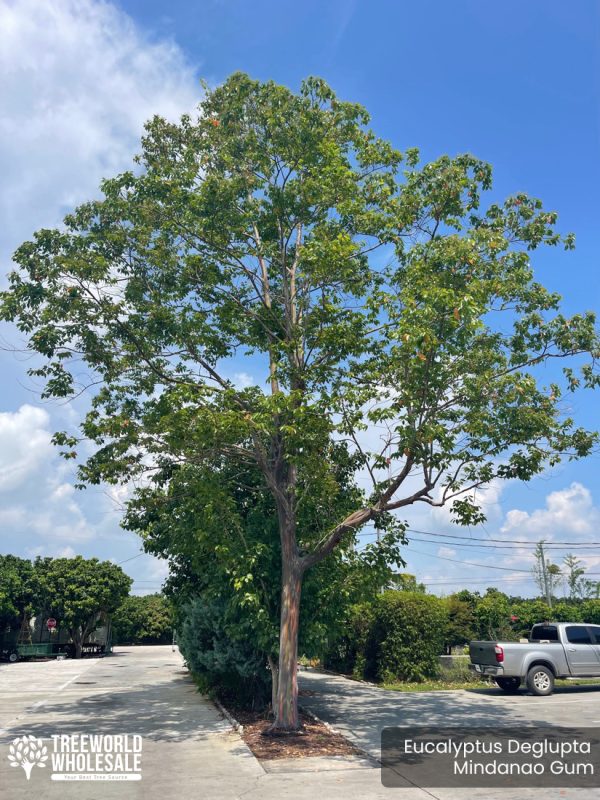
<point>274,681</point>
<point>286,704</point>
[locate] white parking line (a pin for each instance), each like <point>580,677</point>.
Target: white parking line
<point>40,703</point>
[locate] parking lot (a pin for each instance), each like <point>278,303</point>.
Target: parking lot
<point>188,744</point>
<point>360,711</point>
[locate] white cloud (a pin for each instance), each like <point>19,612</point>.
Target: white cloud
<point>567,511</point>
<point>242,380</point>
<point>24,444</point>
<point>78,82</point>
<point>446,552</point>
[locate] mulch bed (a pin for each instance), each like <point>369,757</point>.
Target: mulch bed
<point>314,738</point>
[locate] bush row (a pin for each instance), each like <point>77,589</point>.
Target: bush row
<point>400,634</point>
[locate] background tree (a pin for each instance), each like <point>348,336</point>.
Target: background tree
<point>80,593</point>
<point>460,627</point>
<point>403,581</point>
<point>591,589</point>
<point>574,572</point>
<point>492,615</point>
<point>252,231</point>
<point>547,576</point>
<point>146,619</point>
<point>18,591</point>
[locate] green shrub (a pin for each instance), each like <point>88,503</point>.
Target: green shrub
<point>406,637</point>
<point>233,668</point>
<point>590,611</point>
<point>347,653</point>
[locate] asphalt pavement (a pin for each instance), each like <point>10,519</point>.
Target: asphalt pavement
<point>360,711</point>
<point>187,749</point>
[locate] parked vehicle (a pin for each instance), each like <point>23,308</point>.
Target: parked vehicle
<point>553,650</point>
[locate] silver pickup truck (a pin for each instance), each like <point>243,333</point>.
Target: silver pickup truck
<point>553,650</point>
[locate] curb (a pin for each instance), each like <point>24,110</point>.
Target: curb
<point>237,726</point>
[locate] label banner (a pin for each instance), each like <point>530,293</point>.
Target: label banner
<point>452,757</point>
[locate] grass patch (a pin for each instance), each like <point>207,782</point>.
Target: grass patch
<point>578,682</point>
<point>435,686</point>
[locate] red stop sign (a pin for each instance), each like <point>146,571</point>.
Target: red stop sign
<point>51,623</point>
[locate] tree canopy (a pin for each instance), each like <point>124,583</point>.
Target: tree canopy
<point>18,590</point>
<point>366,292</point>
<point>146,619</point>
<point>80,593</point>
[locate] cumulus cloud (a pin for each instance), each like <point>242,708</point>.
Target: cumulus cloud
<point>569,510</point>
<point>446,552</point>
<point>36,499</point>
<point>24,444</point>
<point>78,82</point>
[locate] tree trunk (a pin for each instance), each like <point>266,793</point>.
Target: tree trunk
<point>77,636</point>
<point>286,704</point>
<point>274,681</point>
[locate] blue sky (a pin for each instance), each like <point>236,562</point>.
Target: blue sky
<point>514,83</point>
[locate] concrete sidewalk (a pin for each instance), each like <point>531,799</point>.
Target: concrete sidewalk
<point>189,750</point>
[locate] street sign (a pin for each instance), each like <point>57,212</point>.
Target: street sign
<point>51,623</point>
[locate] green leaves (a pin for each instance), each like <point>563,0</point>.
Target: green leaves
<point>78,591</point>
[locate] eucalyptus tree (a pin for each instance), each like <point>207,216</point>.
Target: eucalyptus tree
<point>366,293</point>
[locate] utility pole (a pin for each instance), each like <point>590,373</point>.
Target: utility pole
<point>545,575</point>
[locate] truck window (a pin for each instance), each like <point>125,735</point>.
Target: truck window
<point>544,632</point>
<point>578,634</point>
<point>595,631</point>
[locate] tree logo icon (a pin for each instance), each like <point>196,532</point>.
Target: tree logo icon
<point>27,752</point>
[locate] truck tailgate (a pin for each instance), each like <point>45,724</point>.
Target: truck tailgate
<point>483,653</point>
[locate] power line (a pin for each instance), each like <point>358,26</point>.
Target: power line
<point>502,541</point>
<point>470,541</point>
<point>470,563</point>
<point>130,559</point>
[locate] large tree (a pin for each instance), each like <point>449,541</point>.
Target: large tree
<point>146,619</point>
<point>278,228</point>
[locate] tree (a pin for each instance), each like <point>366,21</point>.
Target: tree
<point>547,576</point>
<point>17,591</point>
<point>80,593</point>
<point>278,226</point>
<point>574,576</point>
<point>146,619</point>
<point>405,582</point>
<point>492,616</point>
<point>590,589</point>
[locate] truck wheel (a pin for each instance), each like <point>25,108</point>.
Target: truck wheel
<point>540,680</point>
<point>508,684</point>
<point>13,657</point>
